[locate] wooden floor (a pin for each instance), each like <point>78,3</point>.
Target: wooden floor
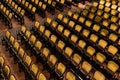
<point>16,26</point>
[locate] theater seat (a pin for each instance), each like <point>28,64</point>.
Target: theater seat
<point>94,37</point>
<point>86,66</point>
<point>74,38</point>
<point>91,15</point>
<point>32,39</point>
<point>16,46</point>
<point>112,66</point>
<point>21,52</point>
<point>53,38</point>
<point>106,15</point>
<point>52,60</point>
<point>27,60</point>
<point>96,27</point>
<point>99,76</point>
<point>12,39</point>
<point>61,44</point>
<point>60,68</point>
<point>66,32</point>
<point>42,28</point>
<point>78,28</point>
<point>46,52</point>
<point>102,43</point>
<point>105,23</point>
<point>113,37</point>
<point>37,24</point>
<point>104,32</point>
<point>12,77</point>
<point>71,24</point>
<point>68,51</point>
<point>41,76</point>
<point>70,76</point>
<point>76,59</point>
<point>90,50</point>
<point>23,29</point>
<point>47,33</point>
<point>69,13</point>
<point>7,34</point>
<point>81,19</point>
<point>112,49</point>
<point>1,61</point>
<point>113,27</point>
<point>60,16</point>
<point>60,28</point>
<point>86,32</point>
<point>82,44</point>
<point>54,24</point>
<point>34,69</point>
<point>114,19</point>
<point>7,71</point>
<point>100,57</point>
<point>88,23</point>
<point>38,45</point>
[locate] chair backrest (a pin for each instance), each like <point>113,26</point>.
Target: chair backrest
<point>7,70</point>
<point>34,69</point>
<point>27,60</point>
<point>21,52</point>
<point>70,76</point>
<point>8,34</point>
<point>61,68</point>
<point>41,76</point>
<point>12,77</point>
<point>2,61</point>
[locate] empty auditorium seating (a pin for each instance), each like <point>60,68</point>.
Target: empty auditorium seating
<point>5,70</point>
<point>7,15</point>
<point>45,53</point>
<point>68,43</point>
<point>18,12</point>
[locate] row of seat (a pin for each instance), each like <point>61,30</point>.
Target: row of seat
<point>74,39</point>
<point>113,16</point>
<point>7,15</point>
<point>114,8</point>
<point>41,50</point>
<point>48,5</point>
<point>61,45</point>
<point>42,6</point>
<point>18,12</point>
<point>109,31</point>
<point>89,23</point>
<point>28,7</point>
<point>106,12</point>
<point>110,3</point>
<point>5,71</point>
<point>78,45</point>
<point>93,27</point>
<point>25,62</point>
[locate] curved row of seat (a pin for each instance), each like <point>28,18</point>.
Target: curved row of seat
<point>5,71</point>
<point>73,38</point>
<point>17,11</point>
<point>44,55</point>
<point>29,8</point>
<point>20,8</point>
<point>30,68</point>
<point>80,44</point>
<point>7,15</point>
